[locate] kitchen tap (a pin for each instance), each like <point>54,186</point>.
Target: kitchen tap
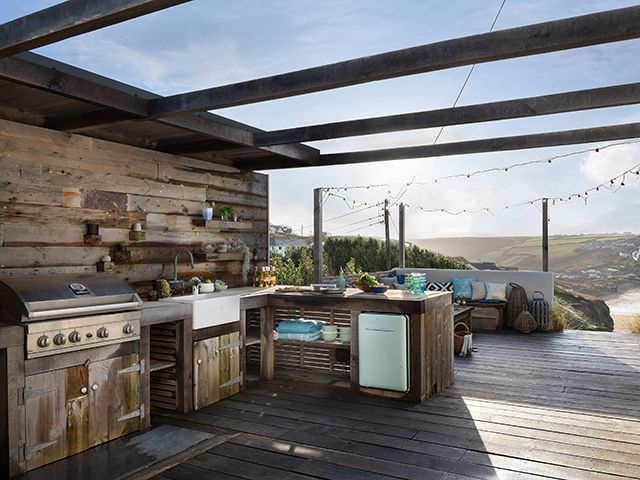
<point>175,263</point>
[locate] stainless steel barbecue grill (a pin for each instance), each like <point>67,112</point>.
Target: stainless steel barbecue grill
<point>63,313</point>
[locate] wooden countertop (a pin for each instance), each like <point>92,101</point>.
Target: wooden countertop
<point>352,299</point>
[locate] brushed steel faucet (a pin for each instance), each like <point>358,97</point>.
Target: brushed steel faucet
<point>175,263</point>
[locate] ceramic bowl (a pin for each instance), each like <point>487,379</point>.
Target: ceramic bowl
<point>207,287</point>
<point>379,289</point>
<point>329,333</point>
<point>345,334</point>
<point>221,287</point>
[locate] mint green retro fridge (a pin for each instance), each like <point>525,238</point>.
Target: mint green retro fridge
<point>383,351</point>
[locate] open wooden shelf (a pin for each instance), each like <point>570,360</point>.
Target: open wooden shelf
<point>222,224</point>
<point>155,365</point>
<point>314,343</point>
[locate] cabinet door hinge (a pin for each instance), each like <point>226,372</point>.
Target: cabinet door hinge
<point>235,343</point>
<point>25,394</point>
<point>135,414</point>
<point>233,381</point>
<point>28,450</point>
<point>138,367</point>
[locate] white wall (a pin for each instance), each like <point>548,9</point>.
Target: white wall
<point>531,281</point>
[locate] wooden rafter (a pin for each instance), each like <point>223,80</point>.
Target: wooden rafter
<point>598,28</point>
<point>47,75</point>
<point>519,108</point>
<point>520,142</point>
<point>71,18</point>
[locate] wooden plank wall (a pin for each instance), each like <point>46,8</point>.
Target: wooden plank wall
<point>52,182</point>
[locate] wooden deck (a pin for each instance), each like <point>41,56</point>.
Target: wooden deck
<point>539,406</point>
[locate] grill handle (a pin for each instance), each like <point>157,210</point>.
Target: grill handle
<point>75,311</point>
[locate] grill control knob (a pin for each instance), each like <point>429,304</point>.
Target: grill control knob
<point>60,339</point>
<point>44,341</point>
<point>128,329</point>
<point>75,336</point>
<point>103,332</point>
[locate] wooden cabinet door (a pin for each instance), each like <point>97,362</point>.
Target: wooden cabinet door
<point>114,398</point>
<point>216,369</point>
<point>206,384</point>
<point>46,418</point>
<point>70,410</point>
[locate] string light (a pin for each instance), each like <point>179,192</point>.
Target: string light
<point>610,185</point>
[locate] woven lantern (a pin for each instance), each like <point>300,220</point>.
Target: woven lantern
<point>518,302</point>
<point>524,323</point>
<point>539,309</point>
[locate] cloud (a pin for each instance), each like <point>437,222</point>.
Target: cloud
<point>602,166</point>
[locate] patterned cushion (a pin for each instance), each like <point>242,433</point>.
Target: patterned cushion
<point>462,287</point>
<point>439,287</point>
<point>496,291</point>
<point>479,291</point>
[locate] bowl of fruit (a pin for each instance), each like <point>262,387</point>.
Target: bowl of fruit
<point>207,286</point>
<point>365,282</point>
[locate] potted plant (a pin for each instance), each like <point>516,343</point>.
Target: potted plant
<point>195,283</point>
<point>165,289</point>
<point>121,254</point>
<point>207,286</point>
<point>93,227</point>
<point>226,212</point>
<point>152,296</point>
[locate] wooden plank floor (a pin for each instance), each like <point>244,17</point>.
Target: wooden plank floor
<point>561,405</point>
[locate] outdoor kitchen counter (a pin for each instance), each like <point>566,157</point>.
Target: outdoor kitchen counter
<point>162,312</point>
<point>11,336</point>
<point>430,332</point>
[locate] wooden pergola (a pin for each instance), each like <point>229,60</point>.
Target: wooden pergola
<point>44,92</point>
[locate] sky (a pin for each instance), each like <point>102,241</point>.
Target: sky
<point>208,43</point>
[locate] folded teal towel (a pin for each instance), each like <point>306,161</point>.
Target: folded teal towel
<point>299,326</point>
<point>305,337</point>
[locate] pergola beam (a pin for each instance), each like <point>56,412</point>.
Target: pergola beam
<point>69,19</point>
<point>520,142</point>
<point>41,73</point>
<point>614,96</point>
<point>582,31</point>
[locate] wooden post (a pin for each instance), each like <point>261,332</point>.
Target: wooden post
<point>317,235</point>
<point>545,234</point>
<point>387,238</point>
<point>401,235</point>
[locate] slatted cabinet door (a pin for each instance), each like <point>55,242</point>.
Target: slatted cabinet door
<point>46,418</point>
<point>216,369</point>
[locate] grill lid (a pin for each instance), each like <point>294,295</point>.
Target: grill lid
<point>25,299</point>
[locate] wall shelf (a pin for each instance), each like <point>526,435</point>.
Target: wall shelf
<point>221,225</point>
<point>315,343</point>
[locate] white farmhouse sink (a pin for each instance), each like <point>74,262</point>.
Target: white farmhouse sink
<point>216,308</point>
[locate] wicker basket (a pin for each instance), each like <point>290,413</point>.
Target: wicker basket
<point>525,323</point>
<point>539,309</point>
<point>458,336</point>
<point>518,302</point>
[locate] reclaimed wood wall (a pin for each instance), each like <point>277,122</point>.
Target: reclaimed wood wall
<point>52,182</point>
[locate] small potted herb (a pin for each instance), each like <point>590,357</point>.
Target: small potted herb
<point>152,296</point>
<point>226,212</point>
<point>195,283</point>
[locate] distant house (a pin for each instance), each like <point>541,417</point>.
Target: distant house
<point>281,237</point>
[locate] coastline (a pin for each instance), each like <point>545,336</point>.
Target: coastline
<point>623,307</point>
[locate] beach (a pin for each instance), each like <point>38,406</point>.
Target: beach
<point>623,308</point>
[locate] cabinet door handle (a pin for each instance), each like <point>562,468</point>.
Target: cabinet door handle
<point>94,387</point>
<point>199,361</point>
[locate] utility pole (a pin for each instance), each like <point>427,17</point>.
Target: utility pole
<point>401,234</point>
<point>387,237</point>
<point>545,234</point>
<point>317,235</point>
